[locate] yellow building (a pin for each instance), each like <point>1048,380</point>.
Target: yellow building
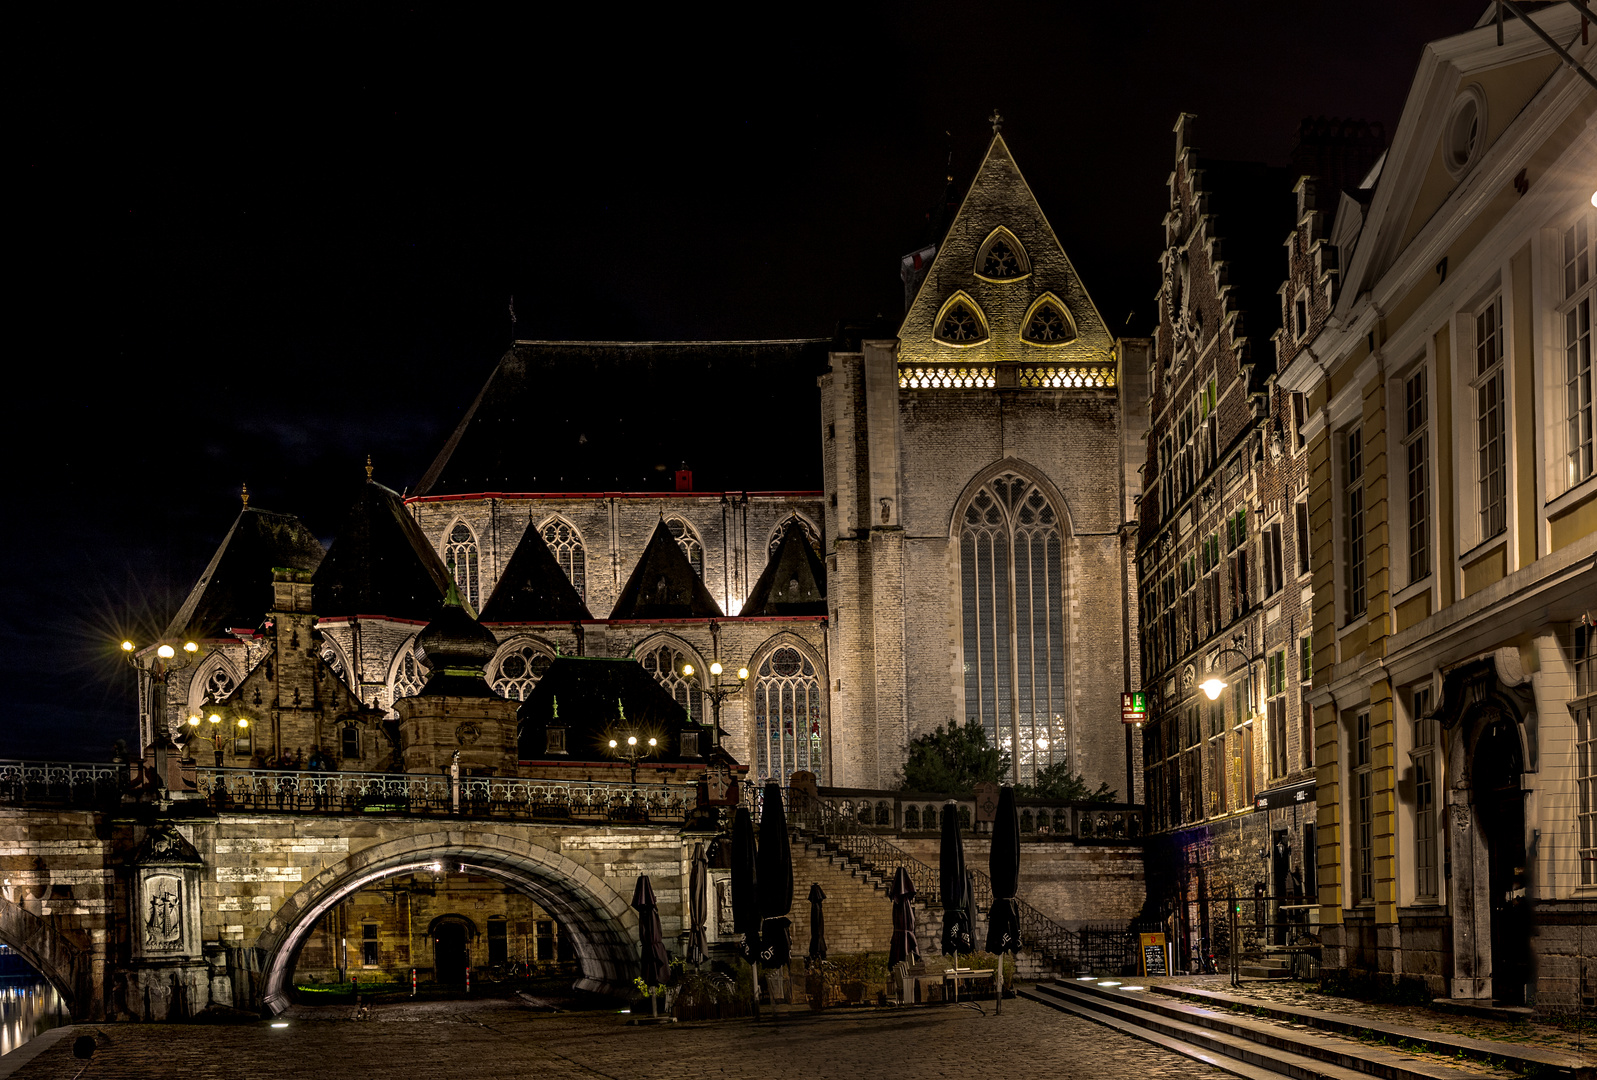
<point>1453,509</point>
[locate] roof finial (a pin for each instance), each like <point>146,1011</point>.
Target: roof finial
<point>996,121</point>
<point>244,494</point>
<point>368,467</point>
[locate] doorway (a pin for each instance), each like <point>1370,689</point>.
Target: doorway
<point>1500,810</point>
<point>450,956</point>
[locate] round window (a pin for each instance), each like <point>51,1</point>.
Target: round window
<point>1465,134</point>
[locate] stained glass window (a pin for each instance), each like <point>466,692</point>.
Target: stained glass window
<point>518,671</point>
<point>1012,596</point>
<point>787,717</point>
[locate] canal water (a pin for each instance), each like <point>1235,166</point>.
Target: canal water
<point>28,1007</point>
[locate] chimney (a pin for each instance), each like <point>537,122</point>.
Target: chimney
<point>684,477</point>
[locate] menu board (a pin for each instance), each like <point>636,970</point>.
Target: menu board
<point>1154,960</point>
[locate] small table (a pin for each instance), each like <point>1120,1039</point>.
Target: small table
<point>952,977</point>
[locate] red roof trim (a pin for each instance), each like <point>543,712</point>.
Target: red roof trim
<point>331,619</point>
<point>614,495</point>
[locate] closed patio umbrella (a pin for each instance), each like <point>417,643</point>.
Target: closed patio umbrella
<point>698,905</point>
<point>656,964</point>
<point>1003,867</point>
<point>817,923</point>
<point>904,946</point>
<point>745,904</point>
<point>953,885</point>
<point>773,880</point>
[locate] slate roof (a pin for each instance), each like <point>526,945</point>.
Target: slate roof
<point>592,693</point>
<point>236,588</point>
<point>1254,210</point>
<point>533,588</point>
<point>622,416</point>
<point>380,564</point>
<point>793,582</point>
<point>664,586</point>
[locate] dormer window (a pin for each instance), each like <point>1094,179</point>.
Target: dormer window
<point>1049,323</point>
<point>961,323</point>
<point>1001,258</point>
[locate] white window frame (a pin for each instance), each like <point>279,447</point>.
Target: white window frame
<point>1477,531</point>
<point>1561,485</point>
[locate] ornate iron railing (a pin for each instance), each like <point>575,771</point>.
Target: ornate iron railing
<point>813,819</point>
<point>316,791</point>
<point>75,783</point>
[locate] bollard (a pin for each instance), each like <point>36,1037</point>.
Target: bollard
<point>412,982</point>
<point>468,978</point>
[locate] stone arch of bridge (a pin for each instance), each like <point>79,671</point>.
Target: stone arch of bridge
<point>51,955</point>
<point>602,926</point>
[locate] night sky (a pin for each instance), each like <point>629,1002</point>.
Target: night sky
<point>256,242</point>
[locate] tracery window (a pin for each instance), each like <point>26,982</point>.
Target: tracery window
<point>461,553</point>
<point>688,541</point>
<point>518,671</point>
<point>809,535</point>
<point>408,677</point>
<point>1002,258</point>
<point>565,544</point>
<point>787,717</point>
<point>665,662</point>
<point>1012,596</point>
<point>959,324</point>
<point>218,684</point>
<point>1048,324</point>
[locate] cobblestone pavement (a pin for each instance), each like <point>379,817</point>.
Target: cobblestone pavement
<point>507,1039</point>
<point>1291,993</point>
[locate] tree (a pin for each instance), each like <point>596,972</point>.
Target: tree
<point>952,760</point>
<point>1056,781</point>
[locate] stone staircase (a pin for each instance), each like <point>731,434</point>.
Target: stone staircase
<point>1265,1043</point>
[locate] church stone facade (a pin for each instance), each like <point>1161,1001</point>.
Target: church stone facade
<point>888,531</point>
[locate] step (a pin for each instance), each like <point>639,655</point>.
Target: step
<point>1517,1056</point>
<point>1299,1053</point>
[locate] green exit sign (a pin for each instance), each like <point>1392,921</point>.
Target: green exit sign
<point>1134,707</point>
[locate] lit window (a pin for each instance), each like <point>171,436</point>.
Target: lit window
<point>1418,476</point>
<point>519,670</point>
<point>1013,623</point>
<point>787,717</point>
<point>461,553</point>
<point>565,544</point>
<point>688,541</point>
<point>665,662</point>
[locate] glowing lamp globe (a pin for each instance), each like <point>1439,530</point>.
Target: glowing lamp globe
<point>743,673</point>
<point>1212,686</point>
<point>687,669</point>
<point>127,646</point>
<point>165,652</point>
<point>715,667</point>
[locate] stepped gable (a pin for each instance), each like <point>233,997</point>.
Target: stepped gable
<point>580,416</point>
<point>664,586</point>
<point>533,588</point>
<point>235,591</point>
<point>793,582</point>
<point>380,563</point>
<point>455,648</point>
<point>590,695</point>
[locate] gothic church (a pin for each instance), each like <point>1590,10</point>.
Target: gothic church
<point>897,532</point>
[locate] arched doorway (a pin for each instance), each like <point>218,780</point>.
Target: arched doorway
<point>601,926</point>
<point>1499,802</point>
<point>452,937</point>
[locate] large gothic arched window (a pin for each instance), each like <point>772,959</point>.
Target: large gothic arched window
<point>565,544</point>
<point>665,662</point>
<point>461,553</point>
<point>1011,564</point>
<point>804,526</point>
<point>787,717</point>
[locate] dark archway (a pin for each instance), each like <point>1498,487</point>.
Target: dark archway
<point>1499,798</point>
<point>452,937</point>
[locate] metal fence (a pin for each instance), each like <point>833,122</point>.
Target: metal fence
<point>61,783</point>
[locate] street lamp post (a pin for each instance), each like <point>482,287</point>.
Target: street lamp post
<point>1214,685</point>
<point>632,747</point>
<point>218,736</point>
<point>717,691</point>
<point>160,666</point>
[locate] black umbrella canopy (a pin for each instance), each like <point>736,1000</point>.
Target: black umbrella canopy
<point>904,946</point>
<point>953,885</point>
<point>1003,867</point>
<point>817,923</point>
<point>698,905</point>
<point>656,964</point>
<point>745,903</point>
<point>774,878</point>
